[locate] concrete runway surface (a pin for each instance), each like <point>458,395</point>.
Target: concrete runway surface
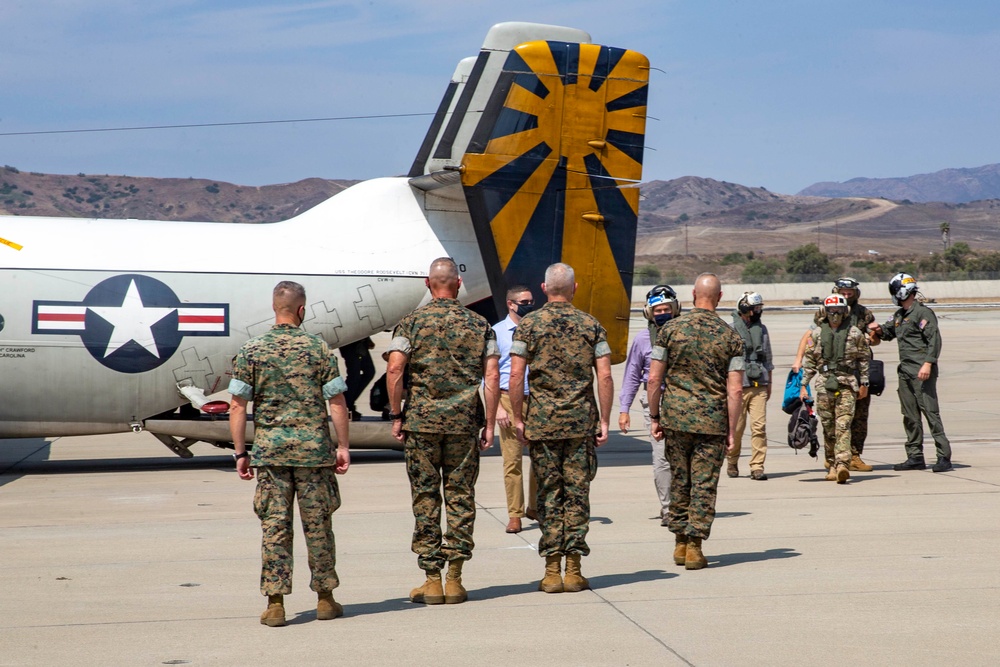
<point>114,553</point>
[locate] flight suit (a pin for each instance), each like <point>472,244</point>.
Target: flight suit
<point>916,332</point>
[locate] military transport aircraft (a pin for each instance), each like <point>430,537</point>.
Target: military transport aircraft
<point>534,156</point>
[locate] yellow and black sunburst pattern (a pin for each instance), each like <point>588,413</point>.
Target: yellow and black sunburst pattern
<point>551,174</point>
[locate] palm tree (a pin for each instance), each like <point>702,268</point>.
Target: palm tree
<point>945,229</point>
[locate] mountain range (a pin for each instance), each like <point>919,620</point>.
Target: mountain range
<point>690,216</point>
<point>954,186</point>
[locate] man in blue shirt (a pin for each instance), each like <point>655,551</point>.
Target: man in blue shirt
<point>520,302</point>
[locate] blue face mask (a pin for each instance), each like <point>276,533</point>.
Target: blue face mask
<point>660,320</point>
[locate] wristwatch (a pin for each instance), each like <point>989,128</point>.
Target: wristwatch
<point>241,455</point>
<point>394,417</point>
<point>654,417</point>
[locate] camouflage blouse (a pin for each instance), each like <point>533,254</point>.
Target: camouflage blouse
<point>699,350</point>
<point>446,345</point>
<point>853,367</point>
<point>560,343</point>
<point>289,375</point>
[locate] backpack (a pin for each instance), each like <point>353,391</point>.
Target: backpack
<point>876,377</point>
<point>793,385</point>
<point>802,429</point>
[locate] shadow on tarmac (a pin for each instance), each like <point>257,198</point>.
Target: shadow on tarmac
<point>489,593</point>
<point>725,560</point>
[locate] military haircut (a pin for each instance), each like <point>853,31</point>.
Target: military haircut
<point>288,295</point>
<point>560,280</point>
<point>443,269</point>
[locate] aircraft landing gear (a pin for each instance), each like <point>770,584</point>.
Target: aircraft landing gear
<point>178,447</point>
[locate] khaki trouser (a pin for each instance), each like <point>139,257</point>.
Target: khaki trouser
<point>754,405</point>
<point>512,452</point>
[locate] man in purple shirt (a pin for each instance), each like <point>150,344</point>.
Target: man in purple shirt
<point>661,305</point>
<point>520,302</point>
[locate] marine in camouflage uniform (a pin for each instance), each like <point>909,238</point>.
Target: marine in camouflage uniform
<point>840,376</point>
<point>448,350</point>
<point>700,359</point>
<point>860,317</point>
<point>290,375</point>
<point>562,422</point>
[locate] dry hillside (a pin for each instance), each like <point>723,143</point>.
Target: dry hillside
<point>682,222</point>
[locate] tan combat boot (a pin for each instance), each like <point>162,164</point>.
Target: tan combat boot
<point>431,592</point>
<point>831,475</point>
<point>842,474</point>
<point>552,581</point>
<point>454,592</point>
<point>327,608</point>
<point>694,559</point>
<point>858,465</point>
<point>274,615</point>
<point>680,549</point>
<point>574,580</point>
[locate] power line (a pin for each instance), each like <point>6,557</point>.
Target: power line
<point>229,124</point>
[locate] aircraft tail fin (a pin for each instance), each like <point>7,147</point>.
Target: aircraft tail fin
<point>551,129</point>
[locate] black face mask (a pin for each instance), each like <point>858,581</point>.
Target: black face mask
<point>754,317</point>
<point>663,318</point>
<point>523,309</point>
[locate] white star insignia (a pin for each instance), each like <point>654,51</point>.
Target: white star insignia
<point>132,321</point>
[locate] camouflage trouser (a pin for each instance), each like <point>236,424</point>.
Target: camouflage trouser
<point>836,410</point>
<point>859,425</point>
<point>562,468</point>
<point>695,461</point>
<point>431,457</point>
<point>319,497</point>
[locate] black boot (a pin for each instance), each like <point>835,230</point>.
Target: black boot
<point>911,463</point>
<point>942,465</point>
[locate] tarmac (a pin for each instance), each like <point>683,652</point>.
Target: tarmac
<point>113,552</point>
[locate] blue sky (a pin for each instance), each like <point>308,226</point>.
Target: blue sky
<point>779,94</point>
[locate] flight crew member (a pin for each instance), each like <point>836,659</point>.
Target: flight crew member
<point>838,355</point>
<point>520,302</point>
<point>860,317</point>
<point>564,347</point>
<point>700,360</point>
<point>289,374</point>
<point>915,328</point>
<point>756,384</point>
<point>360,371</point>
<point>661,305</point>
<point>448,351</point>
